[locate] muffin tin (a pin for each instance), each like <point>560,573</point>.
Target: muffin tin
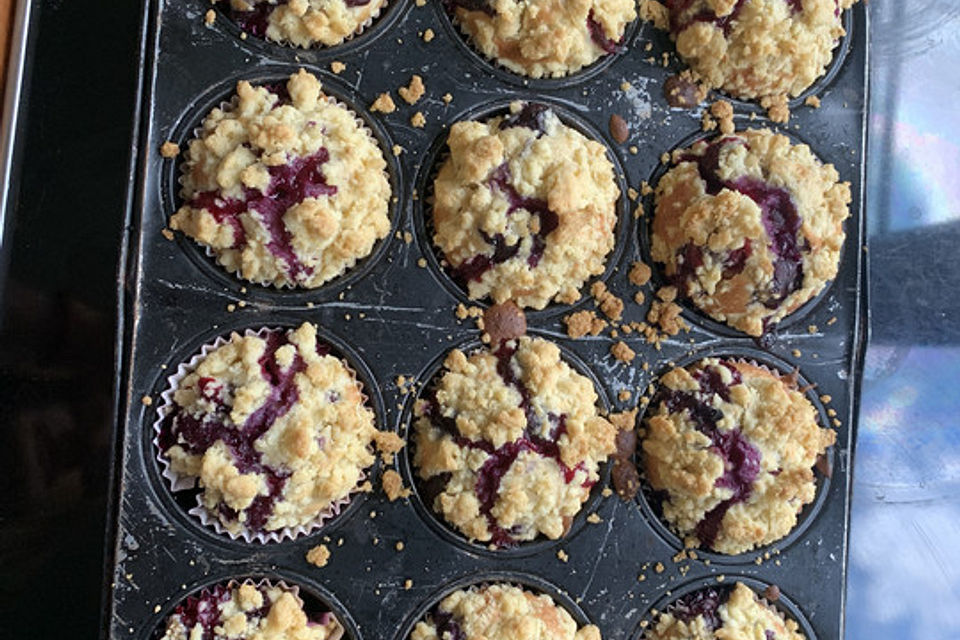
<point>393,315</point>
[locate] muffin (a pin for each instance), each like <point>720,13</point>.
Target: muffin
<point>723,613</point>
<point>304,23</point>
<point>540,38</point>
<point>524,207</point>
<point>272,427</point>
<point>752,49</point>
<point>731,446</point>
<point>500,612</point>
<point>248,612</point>
<point>508,442</point>
<point>749,227</point>
<point>284,185</point>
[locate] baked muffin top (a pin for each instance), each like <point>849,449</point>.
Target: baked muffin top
<point>723,614</point>
<point>248,612</point>
<point>733,445</point>
<point>284,185</point>
<point>749,226</point>
<point>524,207</point>
<point>508,442</point>
<point>544,38</point>
<point>500,612</point>
<point>756,48</point>
<point>305,23</point>
<point>275,430</point>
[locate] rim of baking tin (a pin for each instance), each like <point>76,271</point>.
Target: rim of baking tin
<point>783,604</point>
<point>808,513</point>
<point>840,51</point>
<point>692,314</point>
<point>526,581</point>
<point>437,152</point>
<point>188,123</point>
<point>434,520</point>
<point>631,34</point>
<point>313,594</point>
<point>176,507</point>
<point>389,15</point>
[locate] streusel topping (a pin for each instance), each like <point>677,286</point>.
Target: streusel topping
<point>733,445</point>
<point>525,207</point>
<point>305,23</point>
<point>284,185</point>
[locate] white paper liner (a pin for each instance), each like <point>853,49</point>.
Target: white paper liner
<point>230,105</point>
<point>181,483</point>
<point>363,26</point>
<point>266,584</point>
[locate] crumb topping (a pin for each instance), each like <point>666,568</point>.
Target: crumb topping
<point>304,23</point>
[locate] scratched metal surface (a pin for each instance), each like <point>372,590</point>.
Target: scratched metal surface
<point>398,318</point>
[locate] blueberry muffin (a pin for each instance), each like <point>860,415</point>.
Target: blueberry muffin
<point>274,430</point>
<point>731,447</point>
<point>284,186</point>
<point>749,227</point>
<point>524,207</point>
<point>304,23</point>
<point>500,612</point>
<point>540,38</point>
<point>723,614</point>
<point>751,49</point>
<point>248,612</point>
<point>508,442</point>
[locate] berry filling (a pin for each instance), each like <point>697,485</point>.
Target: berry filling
<point>741,459</point>
<point>474,268</point>
<point>533,116</point>
<point>679,21</point>
<point>703,603</point>
<point>197,433</point>
<point>501,459</point>
<point>447,626</point>
<point>599,36</point>
<point>290,184</point>
<point>780,220</point>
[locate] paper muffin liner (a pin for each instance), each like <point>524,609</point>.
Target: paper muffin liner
<point>363,26</point>
<point>230,105</point>
<point>179,482</point>
<point>262,584</point>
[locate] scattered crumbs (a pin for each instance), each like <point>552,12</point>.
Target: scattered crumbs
<point>680,556</point>
<point>582,323</point>
<point>397,150</point>
<point>707,123</point>
<point>243,35</point>
<point>723,112</point>
<point>231,307</point>
<point>407,237</point>
<point>837,423</point>
<point>388,443</point>
<point>347,317</point>
<point>721,578</point>
<point>408,584</point>
<point>625,86</point>
<point>638,297</point>
<point>156,609</point>
<point>422,263</point>
<point>666,315</point>
<point>169,149</point>
<point>392,485</point>
<point>624,395</point>
<point>641,577</point>
<point>640,273</point>
<point>692,554</point>
<point>420,3</point>
<point>399,545</point>
<point>659,568</point>
<point>210,17</point>
<point>796,353</point>
<point>667,293</point>
<point>825,398</point>
<point>319,555</point>
<point>243,303</point>
<point>664,158</point>
<point>447,98</point>
<point>146,401</point>
<point>812,329</point>
<point>832,321</point>
<point>384,104</point>
<point>418,120</point>
<point>166,233</point>
<point>622,352</point>
<point>373,514</point>
<point>337,67</point>
<point>812,101</point>
<point>645,366</point>
<point>607,492</point>
<point>633,194</point>
<point>758,561</point>
<point>609,304</point>
<point>777,108</point>
<point>593,518</point>
<point>562,555</point>
<point>375,540</point>
<point>634,149</point>
<point>413,91</point>
<point>645,188</point>
<point>428,35</point>
<point>310,305</point>
<point>638,212</point>
<point>832,412</point>
<point>614,333</point>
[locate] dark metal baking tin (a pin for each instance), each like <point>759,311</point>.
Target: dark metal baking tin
<point>398,318</point>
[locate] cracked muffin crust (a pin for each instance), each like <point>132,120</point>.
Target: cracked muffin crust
<point>524,207</point>
<point>284,186</point>
<point>540,38</point>
<point>732,446</point>
<point>508,442</point>
<point>500,612</point>
<point>274,429</point>
<point>723,613</point>
<point>752,49</point>
<point>248,612</point>
<point>304,23</point>
<point>749,227</point>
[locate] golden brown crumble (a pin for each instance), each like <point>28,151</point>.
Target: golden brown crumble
<point>319,555</point>
<point>383,104</point>
<point>413,91</point>
<point>582,323</point>
<point>622,352</point>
